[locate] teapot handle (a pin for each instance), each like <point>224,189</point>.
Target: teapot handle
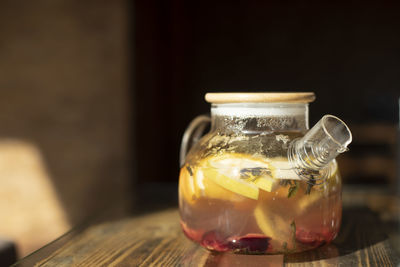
<point>192,135</point>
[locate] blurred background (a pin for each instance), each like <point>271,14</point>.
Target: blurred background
<point>95,95</point>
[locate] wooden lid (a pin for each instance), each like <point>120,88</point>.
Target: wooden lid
<point>293,97</point>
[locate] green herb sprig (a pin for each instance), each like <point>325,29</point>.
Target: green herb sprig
<point>293,227</point>
<point>256,173</point>
<point>310,185</point>
<point>294,187</point>
<point>285,244</point>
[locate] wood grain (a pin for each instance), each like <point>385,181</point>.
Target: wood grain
<point>156,240</point>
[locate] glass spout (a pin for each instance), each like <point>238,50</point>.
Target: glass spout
<point>313,152</point>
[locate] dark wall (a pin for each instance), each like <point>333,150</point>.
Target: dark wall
<point>348,53</point>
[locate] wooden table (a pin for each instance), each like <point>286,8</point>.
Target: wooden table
<point>369,237</point>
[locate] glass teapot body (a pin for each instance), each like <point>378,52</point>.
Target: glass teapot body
<point>238,193</point>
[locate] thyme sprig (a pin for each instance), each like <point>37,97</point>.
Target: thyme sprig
<point>310,185</point>
<point>284,182</point>
<point>285,244</point>
<point>294,186</point>
<point>310,175</point>
<point>293,227</point>
<point>256,173</point>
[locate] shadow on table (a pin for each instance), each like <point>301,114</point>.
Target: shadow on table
<point>361,230</point>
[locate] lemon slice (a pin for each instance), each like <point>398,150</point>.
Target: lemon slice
<point>205,187</point>
<point>307,201</point>
<point>273,225</point>
<point>228,177</point>
<point>281,169</point>
<point>194,185</point>
<point>268,223</point>
<point>239,173</point>
<point>334,172</point>
<point>237,186</point>
<point>266,183</point>
<point>186,186</point>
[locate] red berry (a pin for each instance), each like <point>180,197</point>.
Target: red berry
<point>251,243</point>
<point>214,241</point>
<point>311,238</point>
<point>194,235</point>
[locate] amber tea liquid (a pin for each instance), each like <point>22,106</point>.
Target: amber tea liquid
<point>233,202</point>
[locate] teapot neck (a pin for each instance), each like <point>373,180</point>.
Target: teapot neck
<point>256,118</point>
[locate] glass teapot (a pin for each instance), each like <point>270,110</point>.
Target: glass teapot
<point>261,182</point>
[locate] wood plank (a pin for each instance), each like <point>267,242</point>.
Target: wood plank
<point>361,242</point>
<point>157,240</point>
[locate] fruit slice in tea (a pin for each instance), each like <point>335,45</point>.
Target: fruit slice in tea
<point>241,174</point>
<point>279,229</point>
